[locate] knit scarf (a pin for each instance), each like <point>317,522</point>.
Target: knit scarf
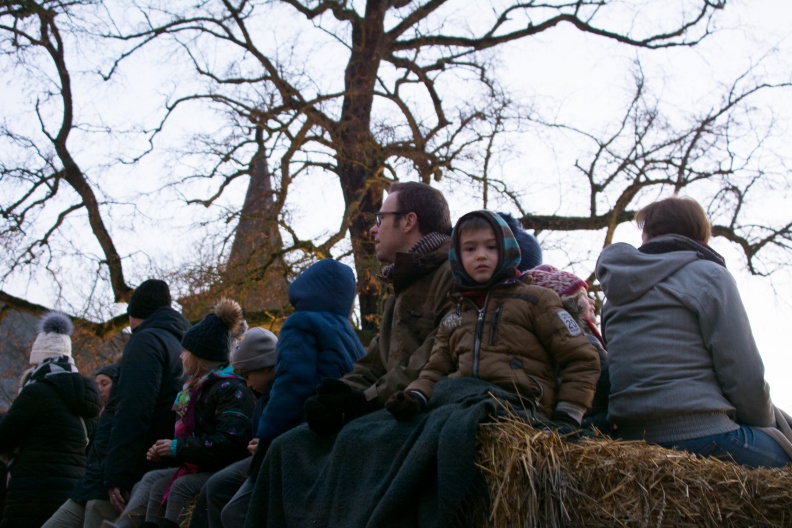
<point>49,367</point>
<point>427,244</point>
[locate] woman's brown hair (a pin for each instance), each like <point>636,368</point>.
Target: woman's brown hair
<point>677,215</point>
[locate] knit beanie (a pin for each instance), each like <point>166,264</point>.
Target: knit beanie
<point>53,339</point>
<point>254,351</point>
<point>110,370</point>
<point>149,296</point>
<point>211,339</point>
<point>530,250</point>
<point>560,281</point>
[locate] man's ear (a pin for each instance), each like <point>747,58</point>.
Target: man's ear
<point>409,223</point>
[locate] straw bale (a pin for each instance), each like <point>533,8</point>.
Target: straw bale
<point>538,479</point>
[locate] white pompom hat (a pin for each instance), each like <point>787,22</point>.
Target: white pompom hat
<point>54,338</point>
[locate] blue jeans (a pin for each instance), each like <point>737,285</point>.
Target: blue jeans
<point>746,446</point>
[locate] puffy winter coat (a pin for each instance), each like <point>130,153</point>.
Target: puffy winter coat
<point>316,342</point>
<point>518,340</point>
<point>222,423</point>
<point>48,424</point>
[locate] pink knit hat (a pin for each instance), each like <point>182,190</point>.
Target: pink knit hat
<point>560,281</point>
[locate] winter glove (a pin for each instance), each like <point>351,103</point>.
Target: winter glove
<point>564,423</point>
<point>404,405</point>
<point>334,405</point>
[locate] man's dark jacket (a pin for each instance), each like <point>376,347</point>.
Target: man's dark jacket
<point>139,409</point>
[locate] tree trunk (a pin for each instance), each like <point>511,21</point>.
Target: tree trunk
<point>360,157</point>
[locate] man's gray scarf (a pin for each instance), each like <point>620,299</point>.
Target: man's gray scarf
<point>428,243</point>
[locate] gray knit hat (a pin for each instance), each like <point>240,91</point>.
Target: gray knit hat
<point>255,351</point>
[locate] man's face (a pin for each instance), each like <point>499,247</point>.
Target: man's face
<point>388,238</point>
<point>479,250</point>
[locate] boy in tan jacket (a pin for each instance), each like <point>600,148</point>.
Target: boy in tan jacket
<point>505,330</point>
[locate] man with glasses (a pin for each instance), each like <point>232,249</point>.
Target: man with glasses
<point>411,236</point>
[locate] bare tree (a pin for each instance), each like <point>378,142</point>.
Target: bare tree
<point>713,154</point>
<point>43,174</point>
<point>416,95</point>
<point>396,111</point>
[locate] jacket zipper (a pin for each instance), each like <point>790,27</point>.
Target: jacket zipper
<point>479,332</point>
<point>495,320</point>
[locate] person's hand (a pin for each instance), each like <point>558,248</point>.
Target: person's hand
<point>252,445</point>
<point>118,498</point>
<point>404,405</point>
<point>160,450</point>
<point>334,405</point>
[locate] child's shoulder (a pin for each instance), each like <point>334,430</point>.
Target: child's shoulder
<point>529,291</point>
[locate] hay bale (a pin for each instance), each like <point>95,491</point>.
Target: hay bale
<point>538,479</point>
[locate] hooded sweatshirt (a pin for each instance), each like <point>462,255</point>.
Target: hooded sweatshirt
<point>683,361</point>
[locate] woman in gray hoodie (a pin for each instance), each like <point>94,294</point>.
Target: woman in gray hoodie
<point>685,371</point>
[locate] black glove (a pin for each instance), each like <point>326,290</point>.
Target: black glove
<point>404,405</point>
<point>334,405</point>
<point>564,423</point>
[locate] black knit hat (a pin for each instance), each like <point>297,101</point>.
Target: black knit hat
<point>149,296</point>
<point>110,370</point>
<point>211,339</point>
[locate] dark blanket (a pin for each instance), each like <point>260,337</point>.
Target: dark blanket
<point>378,472</point>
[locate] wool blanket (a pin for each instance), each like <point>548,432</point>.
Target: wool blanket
<point>378,472</point>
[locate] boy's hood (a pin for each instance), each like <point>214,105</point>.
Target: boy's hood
<point>508,253</point>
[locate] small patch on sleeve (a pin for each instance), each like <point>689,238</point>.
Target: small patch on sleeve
<point>569,322</point>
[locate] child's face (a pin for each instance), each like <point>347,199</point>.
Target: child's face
<point>479,250</point>
<point>259,380</point>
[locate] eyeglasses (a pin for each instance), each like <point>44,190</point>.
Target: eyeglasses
<point>379,215</point>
